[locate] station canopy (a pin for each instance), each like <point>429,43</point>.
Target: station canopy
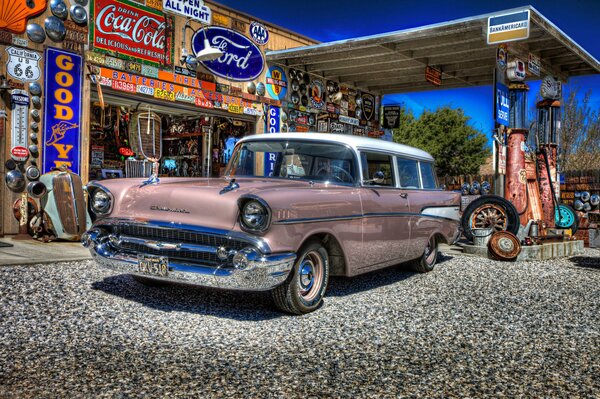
<point>395,62</point>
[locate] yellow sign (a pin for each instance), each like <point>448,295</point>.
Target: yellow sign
<point>220,19</point>
<point>156,4</point>
<point>164,94</point>
<point>235,109</point>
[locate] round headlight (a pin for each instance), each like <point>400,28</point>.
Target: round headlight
<point>255,215</point>
<point>100,202</point>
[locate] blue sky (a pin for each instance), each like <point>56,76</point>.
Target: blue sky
<point>328,20</point>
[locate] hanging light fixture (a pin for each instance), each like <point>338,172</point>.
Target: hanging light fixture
<point>208,53</point>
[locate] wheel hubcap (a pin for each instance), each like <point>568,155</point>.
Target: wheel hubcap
<point>430,252</point>
<point>310,276</point>
<point>489,215</point>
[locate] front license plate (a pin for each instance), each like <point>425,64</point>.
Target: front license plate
<point>155,265</point>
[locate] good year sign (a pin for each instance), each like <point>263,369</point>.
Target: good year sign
<point>242,60</point>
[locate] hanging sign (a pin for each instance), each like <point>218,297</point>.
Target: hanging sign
<point>259,33</point>
<point>508,27</point>
<point>132,30</point>
<point>433,76</point>
<point>368,106</point>
<point>391,117</point>
<point>276,82</point>
<point>242,60</point>
<point>502,104</point>
<point>534,65</point>
<point>62,110</point>
<point>23,64</point>
<point>193,9</point>
<point>19,101</point>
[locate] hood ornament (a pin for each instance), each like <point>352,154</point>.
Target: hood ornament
<point>230,187</point>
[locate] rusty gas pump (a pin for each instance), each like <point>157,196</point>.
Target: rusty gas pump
<point>548,126</point>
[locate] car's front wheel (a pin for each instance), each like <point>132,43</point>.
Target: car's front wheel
<point>304,289</point>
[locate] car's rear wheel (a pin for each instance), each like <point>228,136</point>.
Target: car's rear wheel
<point>427,261</point>
<point>304,289</point>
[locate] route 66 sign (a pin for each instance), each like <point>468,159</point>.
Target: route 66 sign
<point>23,64</point>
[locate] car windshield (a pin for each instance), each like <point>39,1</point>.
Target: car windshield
<point>294,160</point>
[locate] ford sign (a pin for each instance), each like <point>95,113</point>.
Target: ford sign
<point>241,61</point>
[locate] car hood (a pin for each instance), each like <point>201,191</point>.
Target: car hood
<point>201,201</point>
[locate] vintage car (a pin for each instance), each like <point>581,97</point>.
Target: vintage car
<point>291,210</point>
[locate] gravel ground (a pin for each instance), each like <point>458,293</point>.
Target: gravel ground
<point>471,328</point>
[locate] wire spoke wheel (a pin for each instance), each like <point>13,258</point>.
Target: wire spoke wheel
<point>489,215</point>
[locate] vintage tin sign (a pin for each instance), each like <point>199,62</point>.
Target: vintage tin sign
<point>19,102</point>
<point>132,30</point>
<point>276,82</point>
<point>242,60</point>
<point>193,9</point>
<point>368,106</point>
<point>508,27</point>
<point>317,94</point>
<point>534,65</point>
<point>23,64</point>
<point>502,104</point>
<point>259,33</point>
<point>391,117</point>
<point>62,110</point>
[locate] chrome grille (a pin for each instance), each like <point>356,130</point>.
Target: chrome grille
<point>70,202</point>
<point>178,236</point>
<point>199,257</point>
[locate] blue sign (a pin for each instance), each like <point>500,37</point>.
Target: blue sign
<point>62,110</point>
<point>502,104</point>
<point>274,122</point>
<point>276,82</point>
<point>241,61</point>
<point>259,33</point>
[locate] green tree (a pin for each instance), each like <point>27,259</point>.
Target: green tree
<point>458,149</point>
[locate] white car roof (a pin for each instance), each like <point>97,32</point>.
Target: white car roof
<point>358,142</point>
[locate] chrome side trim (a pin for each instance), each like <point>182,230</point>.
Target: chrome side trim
<point>354,217</point>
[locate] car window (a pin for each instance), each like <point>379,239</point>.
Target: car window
<point>428,175</point>
<point>373,162</point>
<point>408,170</point>
<point>294,160</point>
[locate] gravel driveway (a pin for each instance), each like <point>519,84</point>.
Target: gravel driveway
<point>471,328</point>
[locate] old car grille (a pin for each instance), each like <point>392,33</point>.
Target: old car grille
<point>70,202</point>
<point>178,236</point>
<point>173,236</point>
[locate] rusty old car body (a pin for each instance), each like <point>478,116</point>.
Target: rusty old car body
<point>290,210</point>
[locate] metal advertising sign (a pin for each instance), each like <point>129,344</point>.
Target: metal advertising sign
<point>19,101</point>
<point>276,82</point>
<point>194,9</point>
<point>242,60</point>
<point>317,94</point>
<point>502,104</point>
<point>391,117</point>
<point>433,76</point>
<point>132,30</point>
<point>23,64</point>
<point>534,65</point>
<point>274,122</point>
<point>508,27</point>
<point>368,106</point>
<point>62,110</point>
<point>259,33</point>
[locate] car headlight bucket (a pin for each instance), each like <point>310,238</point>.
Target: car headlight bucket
<point>101,202</point>
<point>255,216</point>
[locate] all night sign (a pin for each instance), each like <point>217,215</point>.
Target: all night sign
<point>132,30</point>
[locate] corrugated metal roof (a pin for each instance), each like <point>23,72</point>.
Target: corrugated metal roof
<point>395,62</point>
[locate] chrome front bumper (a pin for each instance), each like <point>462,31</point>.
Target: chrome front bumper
<point>262,272</point>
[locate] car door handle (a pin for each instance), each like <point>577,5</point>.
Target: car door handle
<point>403,195</point>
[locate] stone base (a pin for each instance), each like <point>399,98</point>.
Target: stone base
<point>535,252</point>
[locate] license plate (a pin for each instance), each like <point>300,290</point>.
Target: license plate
<point>154,265</point>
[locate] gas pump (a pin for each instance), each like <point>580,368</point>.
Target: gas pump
<point>547,141</point>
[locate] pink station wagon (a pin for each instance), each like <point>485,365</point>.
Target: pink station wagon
<point>291,210</point>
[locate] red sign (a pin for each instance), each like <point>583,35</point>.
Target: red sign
<point>20,153</point>
<point>123,86</point>
<point>433,76</point>
<point>132,30</point>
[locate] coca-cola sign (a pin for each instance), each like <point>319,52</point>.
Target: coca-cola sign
<point>242,60</point>
<point>133,31</point>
